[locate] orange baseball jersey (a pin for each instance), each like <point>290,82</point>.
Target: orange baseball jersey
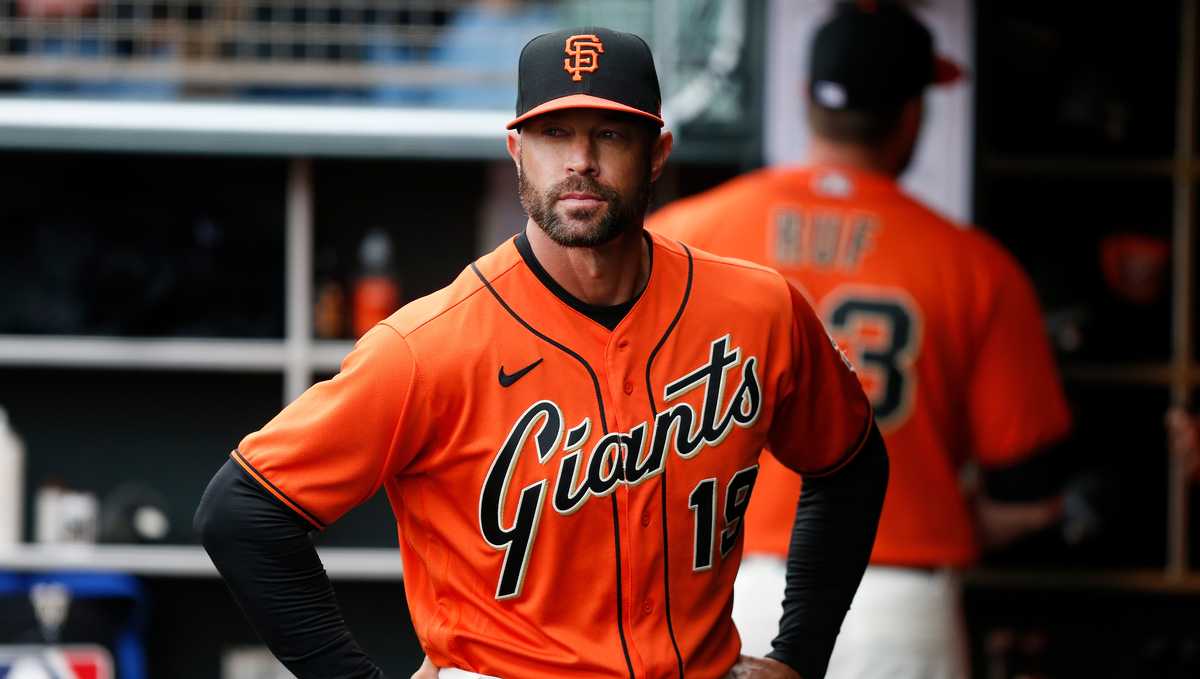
<point>569,499</point>
<point>940,322</point>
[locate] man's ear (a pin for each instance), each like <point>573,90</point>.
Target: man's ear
<point>513,143</point>
<point>659,154</point>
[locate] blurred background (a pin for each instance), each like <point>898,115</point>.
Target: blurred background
<point>205,202</point>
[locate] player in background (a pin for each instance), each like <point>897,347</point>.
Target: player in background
<point>569,433</point>
<point>941,324</point>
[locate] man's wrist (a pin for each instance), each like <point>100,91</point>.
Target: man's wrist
<point>786,660</point>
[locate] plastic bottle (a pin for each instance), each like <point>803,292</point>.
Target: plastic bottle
<point>329,308</point>
<point>376,292</point>
<point>12,483</point>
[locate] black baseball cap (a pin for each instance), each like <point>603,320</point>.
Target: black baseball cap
<point>874,55</point>
<point>589,67</point>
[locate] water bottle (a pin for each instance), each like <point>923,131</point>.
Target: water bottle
<point>377,290</point>
<point>12,483</point>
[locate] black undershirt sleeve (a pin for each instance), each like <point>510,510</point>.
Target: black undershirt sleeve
<point>831,543</point>
<point>1037,476</point>
<point>262,550</point>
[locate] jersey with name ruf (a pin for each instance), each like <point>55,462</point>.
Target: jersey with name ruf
<point>569,498</point>
<point>941,323</point>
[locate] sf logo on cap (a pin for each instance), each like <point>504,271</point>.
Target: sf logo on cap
<point>584,52</point>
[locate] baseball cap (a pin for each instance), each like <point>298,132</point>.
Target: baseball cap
<point>590,67</point>
<point>874,55</point>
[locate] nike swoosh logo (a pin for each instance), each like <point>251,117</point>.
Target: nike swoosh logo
<point>507,380</point>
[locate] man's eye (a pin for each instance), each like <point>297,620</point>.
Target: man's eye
<point>610,134</point>
<point>553,131</point>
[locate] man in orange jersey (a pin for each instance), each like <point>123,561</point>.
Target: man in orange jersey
<point>569,433</point>
<point>940,323</point>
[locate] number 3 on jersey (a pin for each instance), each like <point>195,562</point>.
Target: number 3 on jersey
<point>881,329</point>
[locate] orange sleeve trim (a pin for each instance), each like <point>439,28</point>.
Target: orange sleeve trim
<point>848,457</point>
<point>279,494</point>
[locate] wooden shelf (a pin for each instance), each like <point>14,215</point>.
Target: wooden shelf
<point>1152,374</point>
<point>1066,166</point>
<point>1147,581</point>
<point>1148,373</point>
<point>184,561</point>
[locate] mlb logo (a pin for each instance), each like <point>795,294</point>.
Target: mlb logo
<point>55,662</point>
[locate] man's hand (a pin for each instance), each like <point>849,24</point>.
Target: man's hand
<point>1001,523</point>
<point>761,668</point>
<point>426,671</point>
<point>1184,435</point>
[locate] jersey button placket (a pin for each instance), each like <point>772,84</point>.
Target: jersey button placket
<point>628,410</point>
<point>623,346</point>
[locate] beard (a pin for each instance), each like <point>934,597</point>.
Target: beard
<point>589,226</point>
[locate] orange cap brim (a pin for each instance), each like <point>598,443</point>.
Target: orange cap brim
<point>946,71</point>
<point>581,101</point>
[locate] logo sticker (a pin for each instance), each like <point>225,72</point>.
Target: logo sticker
<point>56,662</point>
<point>830,94</point>
<point>584,52</point>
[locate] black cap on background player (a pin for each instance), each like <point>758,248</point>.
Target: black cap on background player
<point>872,56</point>
<point>589,67</point>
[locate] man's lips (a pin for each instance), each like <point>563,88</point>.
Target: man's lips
<point>580,195</point>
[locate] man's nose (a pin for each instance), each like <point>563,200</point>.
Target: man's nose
<point>581,157</point>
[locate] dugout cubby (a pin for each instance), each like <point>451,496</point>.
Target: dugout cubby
<point>1086,168</point>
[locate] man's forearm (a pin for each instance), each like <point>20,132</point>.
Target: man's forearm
<point>1001,523</point>
<point>831,544</point>
<point>263,552</point>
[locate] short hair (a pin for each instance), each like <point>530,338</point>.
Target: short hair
<point>864,127</point>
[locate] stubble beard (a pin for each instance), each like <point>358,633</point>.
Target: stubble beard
<point>589,226</point>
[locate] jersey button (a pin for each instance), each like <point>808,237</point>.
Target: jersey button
<point>647,607</point>
<point>628,388</point>
<point>623,344</point>
<point>645,517</point>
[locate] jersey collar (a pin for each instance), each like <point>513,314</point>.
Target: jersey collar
<point>607,316</point>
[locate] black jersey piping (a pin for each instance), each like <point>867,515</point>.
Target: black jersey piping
<point>604,426</point>
<point>288,502</point>
<point>608,316</point>
<point>687,293</point>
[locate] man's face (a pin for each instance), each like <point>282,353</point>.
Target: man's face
<point>585,174</point>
